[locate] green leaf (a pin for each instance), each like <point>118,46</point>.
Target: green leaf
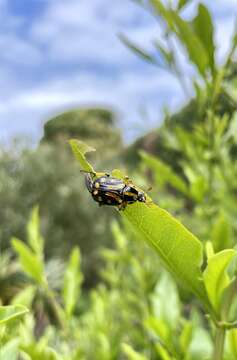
<point>166,14</point>
<point>186,35</point>
<point>221,233</point>
<point>232,340</point>
<point>180,250</point>
<point>166,308</point>
<point>137,50</point>
<point>10,350</point>
<point>35,240</point>
<point>203,28</point>
<point>159,328</point>
<point>163,353</point>
<point>11,312</point>
<point>198,188</point>
<point>209,249</point>
<point>119,236</point>
<point>182,3</point>
<point>167,55</point>
<point>25,296</point>
<point>215,276</point>
<point>164,173</point>
<point>72,281</point>
<point>186,336</point>
<point>30,263</point>
<point>201,345</point>
<point>194,46</point>
<point>79,150</point>
<point>131,353</point>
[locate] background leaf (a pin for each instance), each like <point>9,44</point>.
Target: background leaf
<point>185,34</point>
<point>164,173</point>
<point>203,27</point>
<point>30,263</point>
<point>221,234</point>
<point>35,239</point>
<point>11,312</point>
<point>131,354</point>
<point>10,350</point>
<point>137,50</point>
<point>72,281</point>
<point>215,277</point>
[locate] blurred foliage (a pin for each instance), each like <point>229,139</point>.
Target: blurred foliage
<point>50,177</point>
<point>112,322</point>
<point>95,126</point>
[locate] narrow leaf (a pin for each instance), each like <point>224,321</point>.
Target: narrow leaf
<point>185,34</point>
<point>232,337</point>
<point>79,150</point>
<point>25,296</point>
<point>186,336</point>
<point>215,276</point>
<point>35,240</point>
<point>182,3</point>
<point>221,233</point>
<point>137,50</point>
<point>164,355</point>
<point>194,46</point>
<point>30,263</point>
<point>164,173</point>
<point>209,249</point>
<point>72,282</point>
<point>10,312</point>
<point>203,28</point>
<point>131,353</point>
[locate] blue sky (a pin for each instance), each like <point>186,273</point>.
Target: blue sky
<point>59,54</point>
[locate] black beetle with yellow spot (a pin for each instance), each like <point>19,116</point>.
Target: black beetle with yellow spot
<point>108,190</point>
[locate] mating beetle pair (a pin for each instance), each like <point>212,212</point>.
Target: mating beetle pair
<point>108,190</point>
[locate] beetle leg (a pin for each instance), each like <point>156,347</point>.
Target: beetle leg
<point>114,196</point>
<point>122,206</point>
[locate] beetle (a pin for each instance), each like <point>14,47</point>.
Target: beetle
<point>108,190</point>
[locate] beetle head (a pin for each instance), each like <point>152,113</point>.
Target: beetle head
<point>141,197</point>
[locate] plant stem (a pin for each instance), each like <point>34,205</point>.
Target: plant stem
<point>55,308</point>
<point>219,344</point>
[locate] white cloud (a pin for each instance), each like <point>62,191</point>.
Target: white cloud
<point>77,59</point>
<point>18,51</point>
<point>127,94</point>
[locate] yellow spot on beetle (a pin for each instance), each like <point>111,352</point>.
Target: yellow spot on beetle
<point>95,192</point>
<point>97,185</point>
